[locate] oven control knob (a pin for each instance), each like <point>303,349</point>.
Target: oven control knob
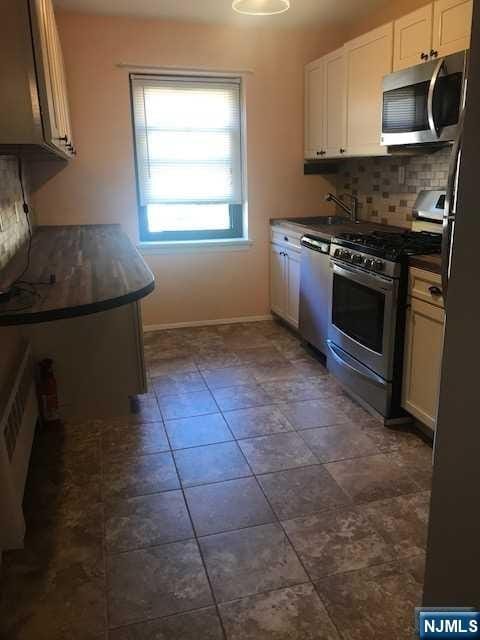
<point>337,253</point>
<point>378,265</point>
<point>346,255</point>
<point>368,262</point>
<point>358,259</point>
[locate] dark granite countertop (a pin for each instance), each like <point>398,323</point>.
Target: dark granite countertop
<point>307,225</point>
<point>96,268</point>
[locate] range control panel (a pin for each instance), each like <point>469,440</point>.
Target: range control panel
<point>364,261</point>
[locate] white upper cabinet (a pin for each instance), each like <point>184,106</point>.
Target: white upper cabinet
<point>413,38</point>
<point>314,99</point>
<point>34,91</point>
<point>335,122</point>
<point>51,75</point>
<point>452,25</point>
<point>368,60</point>
<point>343,90</point>
<point>433,31</point>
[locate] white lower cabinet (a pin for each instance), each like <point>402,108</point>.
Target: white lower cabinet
<point>423,348</point>
<point>285,276</point>
<point>277,280</point>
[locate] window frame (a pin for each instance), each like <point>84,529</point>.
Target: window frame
<point>238,226</point>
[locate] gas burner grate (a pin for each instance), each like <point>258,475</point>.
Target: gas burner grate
<point>394,245</point>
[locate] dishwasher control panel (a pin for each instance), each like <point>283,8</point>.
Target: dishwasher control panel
<point>315,243</point>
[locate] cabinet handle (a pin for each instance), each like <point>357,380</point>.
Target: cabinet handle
<point>435,291</point>
<point>63,139</point>
<point>286,238</point>
<point>433,53</point>
<point>321,153</point>
<point>423,56</point>
<point>343,150</point>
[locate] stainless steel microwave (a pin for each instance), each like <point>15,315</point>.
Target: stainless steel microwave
<point>422,104</point>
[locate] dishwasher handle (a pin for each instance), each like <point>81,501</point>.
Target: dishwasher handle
<point>315,244</point>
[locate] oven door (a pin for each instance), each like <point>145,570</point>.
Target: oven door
<point>364,314</point>
<point>423,104</point>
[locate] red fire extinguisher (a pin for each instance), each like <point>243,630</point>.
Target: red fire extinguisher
<point>48,395</point>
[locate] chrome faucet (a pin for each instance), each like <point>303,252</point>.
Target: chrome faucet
<point>351,211</point>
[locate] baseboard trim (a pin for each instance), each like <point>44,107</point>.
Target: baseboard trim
<point>203,323</point>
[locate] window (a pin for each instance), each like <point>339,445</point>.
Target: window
<point>188,140</point>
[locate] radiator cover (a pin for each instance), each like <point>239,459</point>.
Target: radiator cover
<point>17,428</point>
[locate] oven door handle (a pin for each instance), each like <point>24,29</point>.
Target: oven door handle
<point>431,95</point>
<point>370,376</point>
<point>367,279</point>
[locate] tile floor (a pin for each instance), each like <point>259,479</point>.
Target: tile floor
<point>246,497</point>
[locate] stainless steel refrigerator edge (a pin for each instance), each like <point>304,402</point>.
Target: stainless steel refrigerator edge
<point>453,550</point>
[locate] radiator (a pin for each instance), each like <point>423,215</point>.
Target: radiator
<point>17,428</point>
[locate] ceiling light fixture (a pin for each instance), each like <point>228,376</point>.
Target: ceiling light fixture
<point>260,7</point>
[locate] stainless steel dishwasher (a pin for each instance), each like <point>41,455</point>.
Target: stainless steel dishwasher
<point>315,291</point>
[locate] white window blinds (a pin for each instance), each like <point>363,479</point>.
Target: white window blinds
<point>188,139</point>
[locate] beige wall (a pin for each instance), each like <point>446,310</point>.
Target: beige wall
<point>99,186</point>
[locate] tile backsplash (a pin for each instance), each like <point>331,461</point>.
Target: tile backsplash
<point>13,226</point>
<point>383,195</point>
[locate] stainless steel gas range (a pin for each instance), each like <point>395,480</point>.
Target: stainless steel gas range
<point>366,333</point>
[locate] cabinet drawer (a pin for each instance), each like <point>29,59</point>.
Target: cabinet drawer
<point>426,286</point>
<point>285,237</point>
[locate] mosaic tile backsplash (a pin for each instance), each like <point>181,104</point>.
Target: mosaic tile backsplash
<point>383,198</point>
<point>13,226</point>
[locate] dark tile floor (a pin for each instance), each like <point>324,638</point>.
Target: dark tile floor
<point>246,497</point>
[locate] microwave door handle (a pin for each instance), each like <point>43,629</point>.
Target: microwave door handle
<point>431,94</point>
<point>450,199</point>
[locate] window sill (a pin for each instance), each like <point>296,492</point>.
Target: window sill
<point>191,246</point>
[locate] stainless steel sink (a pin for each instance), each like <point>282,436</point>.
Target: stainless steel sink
<point>322,220</point>
<point>332,220</point>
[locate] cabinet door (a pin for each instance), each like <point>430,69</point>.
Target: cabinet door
<point>51,76</point>
<point>413,38</point>
<point>314,88</point>
<point>369,59</point>
<point>423,361</point>
<point>335,123</point>
<point>46,72</point>
<point>63,104</point>
<point>292,280</point>
<point>452,25</point>
<point>277,280</point>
